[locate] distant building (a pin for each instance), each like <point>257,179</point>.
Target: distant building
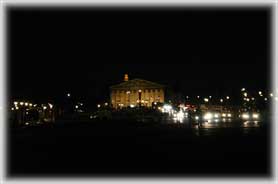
<point>136,92</point>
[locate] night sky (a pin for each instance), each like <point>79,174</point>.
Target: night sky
<point>84,51</point>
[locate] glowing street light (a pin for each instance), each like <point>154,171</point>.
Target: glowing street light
<point>271,94</point>
<point>260,93</point>
<point>98,105</point>
<point>68,94</point>
<point>221,100</point>
<point>206,99</point>
<point>210,96</point>
<point>44,107</point>
<point>243,89</point>
<point>50,105</point>
<point>105,103</point>
<point>12,108</point>
<point>187,97</point>
<point>265,99</point>
<point>26,104</point>
<point>15,103</point>
<point>21,103</point>
<point>227,97</point>
<point>245,94</point>
<point>198,96</point>
<point>76,106</point>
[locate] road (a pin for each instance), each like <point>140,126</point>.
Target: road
<point>72,149</point>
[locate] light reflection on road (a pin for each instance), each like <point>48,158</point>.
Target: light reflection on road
<point>215,123</point>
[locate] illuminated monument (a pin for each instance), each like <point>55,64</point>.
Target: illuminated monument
<point>136,92</point>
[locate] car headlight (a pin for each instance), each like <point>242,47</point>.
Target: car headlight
<point>245,116</point>
<point>208,116</point>
<point>255,116</point>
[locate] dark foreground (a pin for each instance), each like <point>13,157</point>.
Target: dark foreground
<point>133,149</point>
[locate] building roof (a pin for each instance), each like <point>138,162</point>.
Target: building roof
<point>137,84</point>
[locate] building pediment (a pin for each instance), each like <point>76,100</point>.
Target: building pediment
<point>137,84</point>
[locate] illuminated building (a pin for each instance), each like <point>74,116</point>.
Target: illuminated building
<point>136,92</point>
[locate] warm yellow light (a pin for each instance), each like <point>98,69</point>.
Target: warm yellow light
<point>106,104</point>
<point>15,103</point>
<point>198,96</point>
<point>139,90</point>
<point>206,99</point>
<point>260,93</point>
<point>16,108</point>
<point>21,103</point>
<point>221,100</point>
<point>255,116</point>
<point>12,108</point>
<point>98,105</point>
<point>227,97</point>
<point>245,116</point>
<point>223,115</point>
<point>44,107</point>
<point>208,116</point>
<point>245,94</point>
<point>30,104</point>
<point>243,89</point>
<point>128,92</point>
<point>50,105</point>
<point>26,104</point>
<point>271,94</point>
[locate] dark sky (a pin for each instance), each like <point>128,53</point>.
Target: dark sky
<point>84,51</point>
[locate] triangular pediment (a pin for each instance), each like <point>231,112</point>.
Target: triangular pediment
<point>137,84</point>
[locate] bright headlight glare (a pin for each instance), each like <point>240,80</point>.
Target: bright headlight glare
<point>208,116</point>
<point>255,116</point>
<point>245,116</point>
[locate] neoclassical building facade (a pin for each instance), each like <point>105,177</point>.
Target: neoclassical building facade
<point>136,92</point>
